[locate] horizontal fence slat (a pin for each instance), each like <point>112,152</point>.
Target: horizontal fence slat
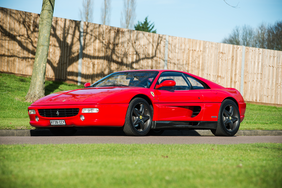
<point>109,49</point>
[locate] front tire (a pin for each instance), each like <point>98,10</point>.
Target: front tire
<point>138,118</point>
<point>228,119</point>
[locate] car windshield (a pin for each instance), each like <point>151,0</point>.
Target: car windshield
<point>128,79</point>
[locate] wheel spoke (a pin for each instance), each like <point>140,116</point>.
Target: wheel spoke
<point>136,121</point>
<point>231,125</point>
<point>141,125</point>
<point>231,111</point>
<point>141,109</point>
<point>136,112</point>
<point>145,118</point>
<point>228,123</point>
<point>225,113</point>
<point>234,119</point>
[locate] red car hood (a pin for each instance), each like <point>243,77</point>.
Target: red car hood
<point>86,95</point>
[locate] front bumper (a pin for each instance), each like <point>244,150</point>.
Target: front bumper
<point>108,115</point>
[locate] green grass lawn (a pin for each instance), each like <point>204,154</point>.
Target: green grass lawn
<point>141,165</point>
<point>261,117</point>
<point>13,109</point>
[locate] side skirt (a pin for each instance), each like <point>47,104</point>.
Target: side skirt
<point>184,125</point>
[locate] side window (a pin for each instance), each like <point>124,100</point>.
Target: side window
<point>181,83</point>
<point>195,83</point>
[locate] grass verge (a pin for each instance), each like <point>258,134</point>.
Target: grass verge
<point>261,117</point>
<point>13,108</point>
<point>118,165</point>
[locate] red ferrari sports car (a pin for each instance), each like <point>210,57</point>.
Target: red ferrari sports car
<point>143,102</point>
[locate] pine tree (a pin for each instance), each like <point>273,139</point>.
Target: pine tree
<point>145,26</point>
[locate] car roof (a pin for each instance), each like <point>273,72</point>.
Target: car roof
<point>159,70</point>
<point>208,82</point>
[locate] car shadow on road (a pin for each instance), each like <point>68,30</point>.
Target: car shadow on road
<point>112,132</point>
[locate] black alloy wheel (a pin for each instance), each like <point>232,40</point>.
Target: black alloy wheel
<point>228,119</point>
<point>138,118</point>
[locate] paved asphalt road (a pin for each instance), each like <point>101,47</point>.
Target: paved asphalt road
<point>138,140</point>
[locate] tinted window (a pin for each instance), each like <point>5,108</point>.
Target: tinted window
<point>181,83</point>
<point>196,84</point>
<point>129,79</point>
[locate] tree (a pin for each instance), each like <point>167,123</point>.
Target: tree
<point>241,36</point>
<point>261,36</point>
<point>145,26</point>
<point>247,36</point>
<point>86,14</point>
<point>128,14</point>
<point>234,37</point>
<point>37,84</point>
<point>267,37</point>
<point>274,36</point>
<point>106,12</point>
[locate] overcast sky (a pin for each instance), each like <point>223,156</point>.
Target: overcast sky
<point>209,20</point>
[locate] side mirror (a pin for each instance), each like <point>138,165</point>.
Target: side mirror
<point>87,84</point>
<point>166,83</point>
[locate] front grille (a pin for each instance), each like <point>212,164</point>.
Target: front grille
<point>62,112</point>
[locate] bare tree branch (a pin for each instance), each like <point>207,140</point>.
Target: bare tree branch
<point>106,12</point>
<point>261,36</point>
<point>241,36</point>
<point>128,14</point>
<point>86,13</point>
<point>264,36</point>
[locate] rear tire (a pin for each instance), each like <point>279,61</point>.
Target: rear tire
<point>228,119</point>
<point>138,118</point>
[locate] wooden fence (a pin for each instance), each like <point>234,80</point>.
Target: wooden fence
<point>98,50</point>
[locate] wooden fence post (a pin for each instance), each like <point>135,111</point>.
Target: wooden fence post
<point>80,52</point>
<point>166,52</point>
<point>242,71</point>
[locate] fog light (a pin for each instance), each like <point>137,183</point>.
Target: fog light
<point>90,110</point>
<point>36,118</point>
<point>82,117</point>
<point>31,111</point>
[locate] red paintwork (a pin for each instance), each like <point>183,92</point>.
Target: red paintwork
<point>87,84</point>
<point>166,83</point>
<point>113,103</point>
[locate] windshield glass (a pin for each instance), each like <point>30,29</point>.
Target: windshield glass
<point>129,79</point>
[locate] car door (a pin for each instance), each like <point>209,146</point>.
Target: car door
<point>210,100</point>
<point>178,103</point>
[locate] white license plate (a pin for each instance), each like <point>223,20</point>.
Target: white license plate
<point>57,122</point>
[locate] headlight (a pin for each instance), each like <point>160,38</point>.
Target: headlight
<point>31,111</point>
<point>90,110</point>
